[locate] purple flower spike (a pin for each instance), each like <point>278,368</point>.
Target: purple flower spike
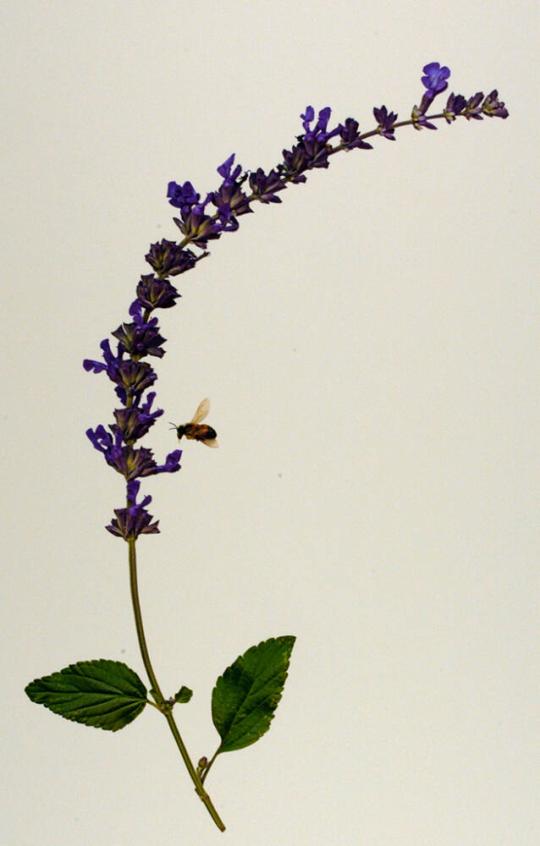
<point>204,218</point>
<point>435,78</point>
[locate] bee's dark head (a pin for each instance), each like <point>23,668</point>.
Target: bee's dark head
<point>180,431</point>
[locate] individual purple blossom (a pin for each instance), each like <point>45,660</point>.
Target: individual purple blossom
<point>231,195</point>
<point>168,259</point>
<point>134,422</point>
<point>199,227</point>
<point>230,200</point>
<point>493,107</point>
<point>156,293</point>
<point>473,109</point>
<point>385,122</point>
<point>133,378</point>
<point>264,186</point>
<point>110,362</point>
<point>435,78</point>
<point>230,175</point>
<point>319,131</point>
<point>134,520</point>
<point>131,463</point>
<point>454,107</point>
<point>182,197</point>
<point>350,135</point>
<point>141,337</point>
<point>312,150</point>
<point>294,164</point>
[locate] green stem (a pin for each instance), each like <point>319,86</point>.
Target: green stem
<point>158,695</point>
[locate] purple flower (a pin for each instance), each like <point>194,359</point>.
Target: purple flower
<point>312,150</point>
<point>264,187</point>
<point>199,227</point>
<point>134,520</point>
<point>182,197</point>
<point>319,131</point>
<point>168,259</point>
<point>230,195</point>
<point>435,78</point>
<point>454,106</point>
<point>493,107</point>
<point>156,293</point>
<point>418,117</point>
<point>385,122</point>
<point>171,464</point>
<point>473,109</point>
<point>226,170</point>
<point>133,378</point>
<point>349,132</point>
<point>110,362</point>
<point>294,163</point>
<point>140,338</point>
<point>133,423</point>
<point>131,463</point>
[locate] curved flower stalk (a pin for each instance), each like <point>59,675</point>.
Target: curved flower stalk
<point>108,694</point>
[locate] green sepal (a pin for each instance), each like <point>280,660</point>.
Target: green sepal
<point>183,695</point>
<point>101,693</point>
<point>246,696</point>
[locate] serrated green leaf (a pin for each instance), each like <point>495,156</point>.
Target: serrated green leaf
<point>101,693</point>
<point>183,695</point>
<point>246,696</point>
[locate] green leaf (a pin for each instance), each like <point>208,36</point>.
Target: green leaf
<point>247,694</point>
<point>183,695</point>
<point>104,694</point>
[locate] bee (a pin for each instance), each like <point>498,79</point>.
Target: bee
<point>196,430</point>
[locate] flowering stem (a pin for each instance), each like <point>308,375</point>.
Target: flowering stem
<point>163,706</point>
<point>250,198</point>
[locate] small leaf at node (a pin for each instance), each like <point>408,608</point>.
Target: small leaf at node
<point>104,694</point>
<point>247,694</point>
<point>183,695</point>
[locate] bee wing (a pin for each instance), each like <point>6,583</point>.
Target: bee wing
<point>211,442</point>
<point>202,410</point>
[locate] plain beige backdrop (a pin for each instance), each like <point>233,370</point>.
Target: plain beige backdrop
<point>370,348</point>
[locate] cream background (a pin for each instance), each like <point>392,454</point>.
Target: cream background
<point>371,351</point>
